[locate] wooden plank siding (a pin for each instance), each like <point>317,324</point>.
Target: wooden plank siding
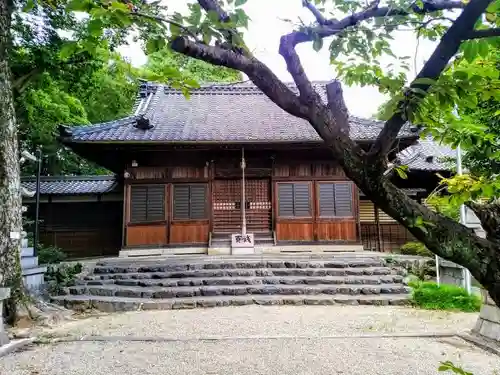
<point>388,236</point>
<point>222,176</point>
<point>170,230</point>
<point>314,227</point>
<point>81,229</point>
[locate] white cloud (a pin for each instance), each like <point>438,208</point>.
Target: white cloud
<point>263,35</point>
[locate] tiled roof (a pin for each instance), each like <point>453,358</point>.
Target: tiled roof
<point>218,113</point>
<point>74,185</point>
<point>428,155</point>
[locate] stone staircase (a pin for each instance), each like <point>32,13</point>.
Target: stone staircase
<point>208,282</point>
<point>33,273</point>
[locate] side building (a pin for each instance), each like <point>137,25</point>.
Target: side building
<point>181,164</point>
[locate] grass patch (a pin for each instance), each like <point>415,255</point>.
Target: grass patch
<point>428,295</point>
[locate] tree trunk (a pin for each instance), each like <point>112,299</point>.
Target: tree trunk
<point>10,195</point>
<point>443,236</point>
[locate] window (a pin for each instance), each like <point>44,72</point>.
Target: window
<point>294,200</point>
<point>190,202</point>
<point>147,203</point>
<point>335,199</point>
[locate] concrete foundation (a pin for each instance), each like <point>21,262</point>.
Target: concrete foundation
<point>488,323</point>
<point>258,249</point>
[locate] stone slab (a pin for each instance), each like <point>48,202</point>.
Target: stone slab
<point>490,330</point>
<point>490,313</point>
<point>219,251</point>
<point>4,293</point>
<point>15,345</point>
<point>239,240</point>
<point>112,304</point>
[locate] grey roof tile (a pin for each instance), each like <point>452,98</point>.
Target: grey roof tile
<point>428,155</point>
<point>219,113</point>
<point>72,185</point>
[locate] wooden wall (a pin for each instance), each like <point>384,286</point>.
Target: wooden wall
<point>81,229</point>
<point>263,169</point>
<point>388,236</point>
<point>313,228</point>
<point>166,231</point>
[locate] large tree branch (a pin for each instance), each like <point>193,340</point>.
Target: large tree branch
<point>214,6</point>
<point>486,33</point>
<point>316,13</point>
<point>432,69</point>
<point>307,93</point>
<point>332,27</point>
<point>257,71</point>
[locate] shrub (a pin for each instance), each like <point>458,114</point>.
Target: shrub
<point>50,255</point>
<point>61,276</point>
<point>428,295</point>
<point>415,248</point>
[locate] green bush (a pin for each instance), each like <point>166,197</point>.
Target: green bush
<point>50,255</point>
<point>415,248</point>
<point>61,276</point>
<point>428,295</point>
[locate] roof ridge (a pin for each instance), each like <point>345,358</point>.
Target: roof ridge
<point>70,178</point>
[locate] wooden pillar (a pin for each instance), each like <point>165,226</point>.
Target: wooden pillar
<point>124,213</point>
<point>378,229</point>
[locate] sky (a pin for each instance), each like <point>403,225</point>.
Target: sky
<point>263,35</point>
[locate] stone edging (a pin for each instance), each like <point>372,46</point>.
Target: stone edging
<point>488,323</point>
<point>15,345</point>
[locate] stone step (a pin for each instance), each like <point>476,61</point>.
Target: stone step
<point>114,304</point>
<point>240,280</point>
<point>29,262</point>
<point>239,272</point>
<point>231,290</point>
<point>104,268</point>
<point>27,251</point>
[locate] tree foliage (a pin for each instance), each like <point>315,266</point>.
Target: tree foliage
<point>168,66</point>
<point>58,85</point>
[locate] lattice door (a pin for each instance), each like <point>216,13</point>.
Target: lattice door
<point>258,208</point>
<point>226,200</point>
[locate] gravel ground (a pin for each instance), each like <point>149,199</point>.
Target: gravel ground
<point>251,357</point>
<point>259,340</point>
<point>265,321</point>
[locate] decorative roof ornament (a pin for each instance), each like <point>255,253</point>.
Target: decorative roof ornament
<point>143,123</point>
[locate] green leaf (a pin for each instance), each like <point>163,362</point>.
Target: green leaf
<point>30,4</point>
<point>483,48</point>
<point>401,173</point>
<point>95,27</point>
<point>78,5</point>
<point>239,3</point>
<point>116,5</point>
<point>67,50</point>
<point>424,81</point>
<point>470,50</point>
<point>318,43</point>
<point>154,45</point>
